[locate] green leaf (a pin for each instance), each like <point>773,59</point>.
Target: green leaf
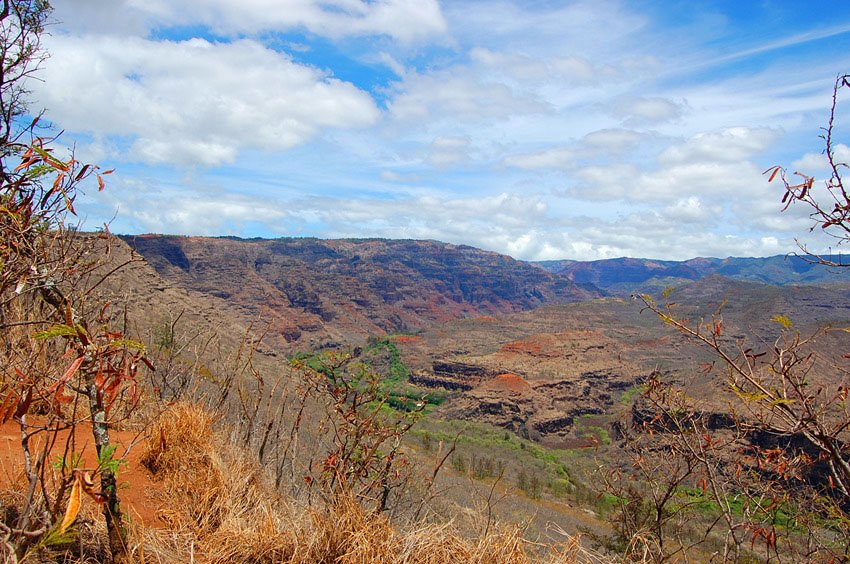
<point>782,320</point>
<point>56,331</point>
<point>105,460</point>
<point>128,343</point>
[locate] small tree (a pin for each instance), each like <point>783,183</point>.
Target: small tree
<point>777,472</point>
<point>829,210</point>
<point>58,347</point>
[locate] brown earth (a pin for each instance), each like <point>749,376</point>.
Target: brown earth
<point>579,359</point>
<point>311,292</point>
<point>139,493</point>
<point>510,383</point>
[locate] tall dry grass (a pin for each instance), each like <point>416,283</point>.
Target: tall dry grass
<point>219,508</point>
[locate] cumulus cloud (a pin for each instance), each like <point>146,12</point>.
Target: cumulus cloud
<point>566,95</point>
<point>392,176</point>
<point>728,145</point>
<point>692,210</point>
<point>457,95</point>
<point>651,235</point>
<point>623,181</point>
<point>523,226</point>
<point>713,164</point>
<point>148,206</point>
<point>568,69</point>
<point>614,141</point>
<point>194,101</point>
<point>555,158</point>
<point>449,151</point>
<point>404,20</point>
<point>645,111</point>
<point>603,143</point>
<point>817,163</point>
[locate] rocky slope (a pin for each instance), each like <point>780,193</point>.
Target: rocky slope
<point>558,372</point>
<point>311,292</point>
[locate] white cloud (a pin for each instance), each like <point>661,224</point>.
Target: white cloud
<point>617,145</point>
<point>729,145</point>
<point>392,176</point>
<point>404,20</point>
<point>643,111</point>
<point>614,141</point>
<point>580,70</point>
<point>449,151</point>
<point>713,179</point>
<point>691,210</point>
<point>458,95</point>
<point>148,207</point>
<point>708,164</point>
<point>817,163</point>
<point>557,158</point>
<point>570,69</point>
<point>650,234</point>
<point>194,102</point>
<point>601,143</point>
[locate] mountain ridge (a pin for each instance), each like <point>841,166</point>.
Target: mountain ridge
<point>624,275</point>
<point>317,291</point>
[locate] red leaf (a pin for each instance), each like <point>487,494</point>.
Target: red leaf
<point>773,175</point>
<point>68,373</point>
<point>9,407</point>
<point>24,403</point>
<point>82,173</point>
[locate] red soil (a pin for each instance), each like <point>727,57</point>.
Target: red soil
<point>532,346</point>
<point>406,338</point>
<point>137,490</point>
<point>510,383</point>
<point>551,345</point>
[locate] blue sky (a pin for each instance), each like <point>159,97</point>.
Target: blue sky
<point>544,130</point>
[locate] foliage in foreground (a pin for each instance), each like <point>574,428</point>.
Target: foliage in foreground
<point>225,511</point>
<point>769,478</point>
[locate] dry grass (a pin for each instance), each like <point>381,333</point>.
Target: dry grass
<point>218,508</point>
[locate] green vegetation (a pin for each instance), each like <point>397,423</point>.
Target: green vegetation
<point>382,357</point>
<point>484,451</point>
<point>398,371</point>
<point>590,425</point>
<point>629,395</point>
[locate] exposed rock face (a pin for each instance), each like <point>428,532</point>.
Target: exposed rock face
<point>542,411</point>
<point>450,375</point>
<point>310,291</point>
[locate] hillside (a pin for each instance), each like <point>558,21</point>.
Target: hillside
<point>313,292</point>
<point>520,392</point>
<point>543,373</point>
<point>622,276</point>
<point>515,347</point>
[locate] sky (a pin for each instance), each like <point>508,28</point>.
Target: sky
<point>539,129</point>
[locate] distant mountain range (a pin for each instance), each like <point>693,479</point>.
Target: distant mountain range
<point>312,292</point>
<point>626,275</point>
